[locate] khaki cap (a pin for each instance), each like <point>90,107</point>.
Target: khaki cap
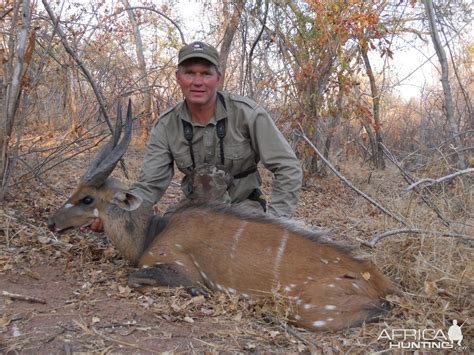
<point>199,50</point>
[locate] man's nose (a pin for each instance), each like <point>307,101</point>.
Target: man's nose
<point>197,79</point>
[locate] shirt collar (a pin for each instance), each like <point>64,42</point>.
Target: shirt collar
<point>184,114</point>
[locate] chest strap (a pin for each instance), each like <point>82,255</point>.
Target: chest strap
<point>245,173</point>
<point>220,131</point>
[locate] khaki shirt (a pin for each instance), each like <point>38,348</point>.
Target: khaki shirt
<point>251,137</point>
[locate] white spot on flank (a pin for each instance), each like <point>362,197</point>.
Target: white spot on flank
<point>297,317</point>
<point>179,246</point>
<point>279,256</point>
<point>309,306</point>
<point>236,237</point>
<point>68,205</point>
<point>331,285</point>
<point>330,307</point>
<point>319,323</point>
<point>179,263</point>
<point>355,285</point>
<point>96,213</point>
<point>287,289</point>
<point>330,319</point>
<point>310,278</point>
<point>292,285</point>
<point>145,266</point>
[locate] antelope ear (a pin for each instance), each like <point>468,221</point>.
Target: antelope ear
<point>127,200</point>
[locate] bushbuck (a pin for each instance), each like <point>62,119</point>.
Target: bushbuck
<point>225,249</point>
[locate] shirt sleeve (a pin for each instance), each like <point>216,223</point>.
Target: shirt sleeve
<point>157,168</point>
<point>278,157</point>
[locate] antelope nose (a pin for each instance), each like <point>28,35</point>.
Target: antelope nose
<point>51,224</point>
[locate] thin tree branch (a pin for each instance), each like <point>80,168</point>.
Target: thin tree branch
<point>409,179</point>
<point>348,183</point>
<point>183,41</point>
<point>439,180</point>
<point>384,235</point>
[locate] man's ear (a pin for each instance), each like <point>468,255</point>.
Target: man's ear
<point>127,200</point>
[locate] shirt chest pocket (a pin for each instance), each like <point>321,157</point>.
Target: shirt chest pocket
<point>238,155</point>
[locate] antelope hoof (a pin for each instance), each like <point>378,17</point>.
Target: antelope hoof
<point>142,278</point>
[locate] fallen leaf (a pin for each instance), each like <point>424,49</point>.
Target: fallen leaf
<point>43,240</point>
<point>95,320</point>
<point>274,333</point>
<point>124,290</point>
<point>4,321</point>
<point>188,319</point>
<point>430,288</point>
<point>237,317</point>
<point>366,275</point>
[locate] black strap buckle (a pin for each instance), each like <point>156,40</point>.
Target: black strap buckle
<point>256,195</point>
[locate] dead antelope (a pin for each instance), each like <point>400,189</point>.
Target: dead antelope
<point>227,250</point>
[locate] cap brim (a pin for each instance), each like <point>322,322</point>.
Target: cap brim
<point>199,55</point>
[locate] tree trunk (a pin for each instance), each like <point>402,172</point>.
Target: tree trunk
<point>13,91</point>
<point>377,150</point>
<point>448,97</point>
<point>147,112</point>
<point>334,122</point>
<point>229,33</point>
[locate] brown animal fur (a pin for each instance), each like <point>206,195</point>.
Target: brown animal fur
<point>328,288</point>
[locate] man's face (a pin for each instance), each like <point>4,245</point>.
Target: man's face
<point>199,81</point>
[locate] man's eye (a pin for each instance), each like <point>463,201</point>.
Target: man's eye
<point>87,200</point>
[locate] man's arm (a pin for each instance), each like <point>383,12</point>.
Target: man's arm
<point>156,171</point>
<point>278,157</point>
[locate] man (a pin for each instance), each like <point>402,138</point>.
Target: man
<point>218,129</point>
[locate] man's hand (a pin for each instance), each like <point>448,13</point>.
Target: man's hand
<point>97,225</point>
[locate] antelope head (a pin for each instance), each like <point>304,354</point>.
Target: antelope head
<point>96,190</point>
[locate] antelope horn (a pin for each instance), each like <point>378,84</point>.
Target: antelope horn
<point>108,157</point>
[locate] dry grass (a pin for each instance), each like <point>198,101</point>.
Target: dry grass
<point>434,274</point>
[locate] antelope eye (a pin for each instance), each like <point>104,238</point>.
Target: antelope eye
<point>87,200</point>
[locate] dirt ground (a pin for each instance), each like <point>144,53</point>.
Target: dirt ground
<point>79,300</point>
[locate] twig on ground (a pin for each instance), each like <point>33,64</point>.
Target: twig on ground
<point>348,183</point>
<point>16,296</point>
<point>379,237</point>
<point>105,337</point>
<point>439,180</point>
<point>292,331</point>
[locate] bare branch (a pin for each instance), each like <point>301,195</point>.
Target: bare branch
<point>409,179</point>
<point>439,180</point>
<point>72,53</point>
<point>348,183</point>
<point>379,237</point>
<point>161,14</point>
